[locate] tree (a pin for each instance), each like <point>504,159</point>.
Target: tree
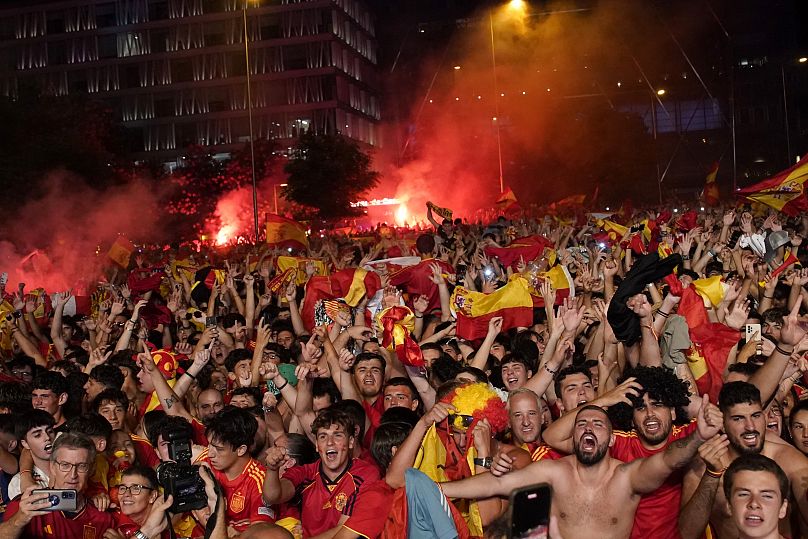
<point>328,172</point>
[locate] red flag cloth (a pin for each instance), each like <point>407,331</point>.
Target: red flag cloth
<point>336,285</point>
<point>712,343</point>
<point>529,248</point>
<point>416,280</point>
<point>285,233</point>
<point>398,335</point>
<point>142,280</point>
<point>785,191</point>
<point>687,221</point>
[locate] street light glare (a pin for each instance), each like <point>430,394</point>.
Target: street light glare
<point>661,91</point>
<point>803,59</point>
<point>517,4</point>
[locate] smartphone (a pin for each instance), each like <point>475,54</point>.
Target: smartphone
<point>210,321</point>
<point>750,330</point>
<point>530,512</point>
<point>60,499</point>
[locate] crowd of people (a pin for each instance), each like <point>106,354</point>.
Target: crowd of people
<point>647,365</point>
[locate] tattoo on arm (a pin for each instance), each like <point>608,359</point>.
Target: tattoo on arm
<point>169,402</point>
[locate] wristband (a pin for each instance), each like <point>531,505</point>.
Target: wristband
<point>685,257</point>
<point>548,369</point>
<point>190,375</point>
<point>140,535</point>
<point>778,349</point>
<point>717,474</point>
<point>285,383</point>
<point>663,314</point>
<point>485,462</point>
<point>26,471</point>
<point>416,316</point>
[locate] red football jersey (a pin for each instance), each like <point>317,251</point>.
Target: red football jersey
<point>376,502</point>
<point>545,452</point>
<point>89,523</point>
<point>658,513</point>
<point>325,501</point>
<point>245,502</point>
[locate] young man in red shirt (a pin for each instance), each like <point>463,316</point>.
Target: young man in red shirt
<point>71,465</point>
<point>231,433</point>
<point>330,488</point>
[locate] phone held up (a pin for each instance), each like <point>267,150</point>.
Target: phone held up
<point>530,512</point>
<point>60,499</point>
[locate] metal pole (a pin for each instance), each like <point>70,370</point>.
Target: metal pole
<point>496,99</point>
<point>275,196</point>
<point>250,118</point>
<point>732,125</point>
<point>656,148</point>
<point>785,111</point>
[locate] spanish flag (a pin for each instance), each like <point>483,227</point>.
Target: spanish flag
<point>396,325</point>
<point>120,251</point>
<point>562,282</point>
<point>711,194</point>
<point>784,191</point>
<point>528,248</point>
<point>285,233</point>
<point>506,199</point>
<point>350,284</point>
<point>512,302</point>
<point>285,263</point>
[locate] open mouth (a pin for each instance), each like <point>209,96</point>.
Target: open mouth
<point>512,380</point>
<point>773,426</point>
<point>753,520</point>
<point>750,438</point>
<point>331,455</point>
<point>369,381</point>
<point>48,447</point>
<point>652,426</point>
<point>589,442</point>
<point>582,401</point>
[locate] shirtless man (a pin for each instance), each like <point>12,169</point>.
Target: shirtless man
<point>745,426</point>
<point>594,495</point>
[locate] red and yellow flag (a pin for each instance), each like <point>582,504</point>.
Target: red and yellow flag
<point>784,191</point>
<point>512,302</point>
<point>298,263</point>
<point>528,248</point>
<point>286,233</point>
<point>120,251</point>
<point>711,194</point>
<point>507,199</point>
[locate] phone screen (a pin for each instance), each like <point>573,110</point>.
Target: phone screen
<point>530,512</point>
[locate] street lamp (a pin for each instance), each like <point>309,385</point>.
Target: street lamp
<point>250,119</point>
<point>275,194</point>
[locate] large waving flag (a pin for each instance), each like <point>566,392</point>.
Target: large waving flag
<point>121,251</point>
<point>527,248</point>
<point>512,302</point>
<point>417,280</point>
<point>286,233</point>
<point>711,194</point>
<point>298,263</point>
<point>507,199</point>
<point>350,284</point>
<point>784,191</point>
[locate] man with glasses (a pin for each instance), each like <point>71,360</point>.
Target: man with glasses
<point>70,467</point>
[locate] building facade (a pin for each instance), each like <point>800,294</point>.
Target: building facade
<point>174,71</point>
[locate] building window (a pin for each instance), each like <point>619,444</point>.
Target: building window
<point>158,10</point>
<point>56,22</point>
<point>105,15</point>
<point>107,46</point>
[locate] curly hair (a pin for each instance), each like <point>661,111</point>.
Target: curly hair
<point>662,385</point>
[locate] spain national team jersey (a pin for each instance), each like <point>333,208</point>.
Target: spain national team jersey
<point>325,501</point>
<point>245,503</point>
<point>545,452</point>
<point>658,513</point>
<point>89,523</point>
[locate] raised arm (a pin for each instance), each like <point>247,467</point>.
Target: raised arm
<point>768,377</point>
<point>695,512</point>
<point>56,328</point>
<point>276,489</point>
<point>486,485</point>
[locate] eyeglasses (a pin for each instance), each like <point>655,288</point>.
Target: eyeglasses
<point>461,422</point>
<point>134,489</point>
<point>81,467</point>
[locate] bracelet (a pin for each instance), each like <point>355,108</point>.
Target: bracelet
<point>416,316</point>
<point>548,369</point>
<point>717,474</point>
<point>140,535</point>
<point>663,314</point>
<point>767,297</point>
<point>25,471</point>
<point>778,349</point>
<point>685,257</point>
<point>190,375</point>
<point>285,383</point>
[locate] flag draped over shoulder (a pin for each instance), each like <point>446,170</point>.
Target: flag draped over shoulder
<point>285,233</point>
<point>121,251</point>
<point>711,194</point>
<point>784,191</point>
<point>512,302</point>
<point>528,248</point>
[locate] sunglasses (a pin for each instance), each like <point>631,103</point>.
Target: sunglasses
<point>461,422</point>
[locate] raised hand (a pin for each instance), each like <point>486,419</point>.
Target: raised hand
<point>438,413</point>
<point>792,332</point>
<point>420,305</point>
<point>571,315</point>
<point>709,419</point>
<point>345,360</point>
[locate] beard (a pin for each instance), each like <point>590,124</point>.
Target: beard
<point>590,459</point>
<point>743,449</point>
<point>660,436</point>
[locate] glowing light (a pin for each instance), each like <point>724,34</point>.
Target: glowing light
<point>675,210</point>
<point>524,93</point>
<point>803,59</point>
<point>225,234</point>
<point>479,97</point>
<point>456,67</point>
<point>430,101</point>
<point>702,208</point>
<point>502,95</point>
<point>661,91</point>
<point>517,4</point>
<point>376,202</point>
<point>457,99</point>
<point>619,84</point>
<point>548,89</point>
<point>401,215</point>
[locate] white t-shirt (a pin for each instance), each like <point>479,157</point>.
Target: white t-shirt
<point>14,485</point>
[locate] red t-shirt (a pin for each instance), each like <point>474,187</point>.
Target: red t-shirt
<point>374,413</point>
<point>89,523</point>
<point>198,429</point>
<point>368,519</point>
<point>245,502</point>
<point>658,513</point>
<point>146,454</point>
<point>127,526</point>
<point>325,501</point>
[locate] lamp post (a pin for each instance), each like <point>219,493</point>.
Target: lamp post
<point>275,194</point>
<point>250,120</point>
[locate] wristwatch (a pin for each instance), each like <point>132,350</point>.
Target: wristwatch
<point>484,462</point>
<point>140,535</point>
